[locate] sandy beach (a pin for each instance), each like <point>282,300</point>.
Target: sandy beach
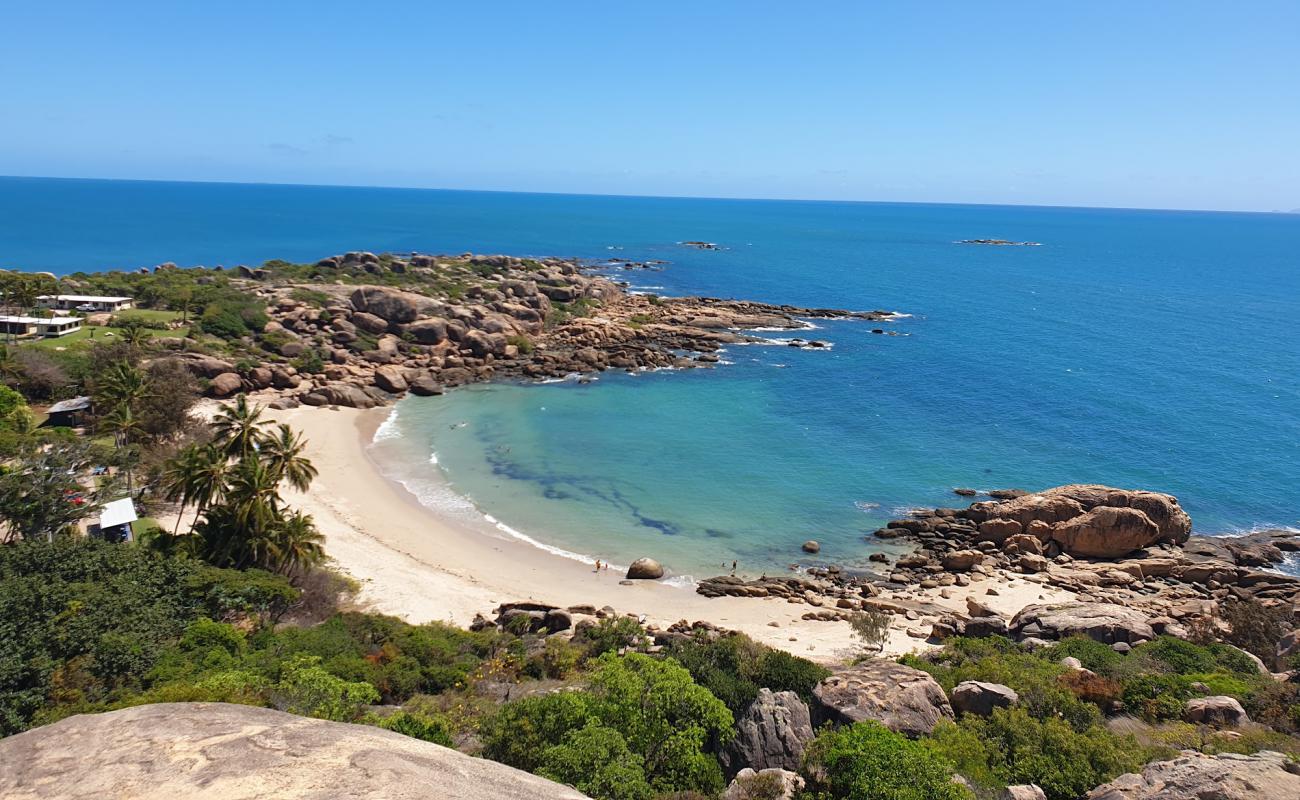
<point>417,565</point>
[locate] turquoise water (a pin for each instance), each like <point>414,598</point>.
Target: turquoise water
<point>1136,348</point>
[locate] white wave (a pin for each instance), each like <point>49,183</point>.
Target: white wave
<point>552,549</point>
<point>388,428</point>
<point>905,511</point>
<point>681,582</point>
<point>433,458</point>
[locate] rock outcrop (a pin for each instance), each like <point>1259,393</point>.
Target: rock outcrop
<point>772,733</point>
<point>1202,777</point>
<point>901,698</point>
<point>1220,711</point>
<point>202,751</point>
<point>980,698</point>
<point>1104,622</point>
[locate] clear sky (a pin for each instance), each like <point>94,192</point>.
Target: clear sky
<point>1159,103</point>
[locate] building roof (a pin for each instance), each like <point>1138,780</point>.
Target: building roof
<point>83,298</point>
<point>75,404</point>
<point>20,320</point>
<point>118,512</point>
<point>59,321</point>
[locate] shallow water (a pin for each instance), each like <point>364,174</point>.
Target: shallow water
<point>1135,348</point>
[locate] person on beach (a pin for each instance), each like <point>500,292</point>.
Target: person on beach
<point>733,568</point>
<point>598,565</point>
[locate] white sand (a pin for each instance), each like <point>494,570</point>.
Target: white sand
<point>417,565</point>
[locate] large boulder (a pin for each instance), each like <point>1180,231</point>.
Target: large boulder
<point>216,751</point>
<point>1106,532</point>
<point>340,394</point>
<point>391,379</point>
<point>225,384</point>
<point>771,733</point>
<point>1220,711</point>
<point>1087,519</point>
<point>980,698</point>
<point>1193,776</point>
<point>903,699</point>
<point>1105,622</point>
<point>428,331</point>
<point>645,569</point>
<point>1023,791</point>
<point>202,366</point>
<point>391,304</point>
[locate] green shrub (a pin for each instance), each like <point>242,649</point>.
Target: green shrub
<point>867,761</point>
<point>611,634</point>
<point>1156,697</point>
<point>524,344</point>
<point>306,688</point>
<point>597,762</point>
<point>734,667</point>
<point>520,732</point>
<point>1012,747</point>
<point>418,726</point>
<point>1092,654</point>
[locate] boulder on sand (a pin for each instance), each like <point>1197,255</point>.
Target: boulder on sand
<point>645,569</point>
<point>225,384</point>
<point>901,698</point>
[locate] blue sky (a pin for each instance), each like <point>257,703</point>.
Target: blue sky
<point>1162,103</point>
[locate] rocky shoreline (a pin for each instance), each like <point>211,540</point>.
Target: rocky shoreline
<point>1126,557</point>
<point>427,323</point>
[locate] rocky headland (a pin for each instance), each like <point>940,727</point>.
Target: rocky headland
<point>361,329</point>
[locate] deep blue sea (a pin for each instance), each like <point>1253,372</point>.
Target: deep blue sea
<point>1135,348</point>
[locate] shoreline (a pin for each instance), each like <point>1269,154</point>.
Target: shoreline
<point>422,565</point>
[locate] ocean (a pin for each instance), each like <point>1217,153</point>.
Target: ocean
<point>1151,349</point>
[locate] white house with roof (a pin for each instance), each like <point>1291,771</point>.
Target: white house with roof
<point>115,520</point>
<point>85,302</point>
<point>45,327</point>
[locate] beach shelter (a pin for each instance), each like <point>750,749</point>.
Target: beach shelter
<point>115,520</point>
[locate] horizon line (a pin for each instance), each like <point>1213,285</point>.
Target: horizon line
<point>645,196</point>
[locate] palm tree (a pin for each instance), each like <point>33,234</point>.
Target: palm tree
<point>298,545</point>
<point>11,369</point>
<point>282,453</point>
<point>135,336</point>
<point>238,428</point>
<point>124,425</point>
<point>122,384</point>
<point>197,476</point>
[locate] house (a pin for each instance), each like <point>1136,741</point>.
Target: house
<point>115,520</point>
<point>84,302</point>
<point>46,327</point>
<point>68,413</point>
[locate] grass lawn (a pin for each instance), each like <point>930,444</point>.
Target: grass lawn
<point>88,333</point>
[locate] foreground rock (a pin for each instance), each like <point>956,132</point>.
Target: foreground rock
<point>771,734</point>
<point>177,751</point>
<point>1265,775</point>
<point>901,698</point>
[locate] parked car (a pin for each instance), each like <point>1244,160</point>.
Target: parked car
<point>86,307</point>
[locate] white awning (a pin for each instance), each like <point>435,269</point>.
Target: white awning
<point>118,512</point>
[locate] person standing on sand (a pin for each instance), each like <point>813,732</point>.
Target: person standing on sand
<point>598,565</point>
<point>733,568</point>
